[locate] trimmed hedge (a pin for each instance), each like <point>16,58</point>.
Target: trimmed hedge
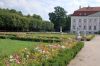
<point>36,39</point>
<point>64,57</point>
<point>88,37</point>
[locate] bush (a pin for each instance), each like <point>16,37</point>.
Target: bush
<point>2,37</point>
<point>36,39</point>
<point>64,57</point>
<point>90,37</point>
<point>87,38</point>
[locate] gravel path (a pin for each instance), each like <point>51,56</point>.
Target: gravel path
<point>89,55</point>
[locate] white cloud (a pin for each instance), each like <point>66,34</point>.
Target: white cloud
<point>2,4</point>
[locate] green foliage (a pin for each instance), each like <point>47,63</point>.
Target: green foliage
<point>45,37</point>
<point>87,37</point>
<point>35,39</point>
<point>12,20</point>
<point>37,16</point>
<point>65,56</point>
<point>59,19</point>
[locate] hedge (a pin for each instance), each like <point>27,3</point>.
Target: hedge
<point>36,39</point>
<point>88,37</point>
<point>64,57</point>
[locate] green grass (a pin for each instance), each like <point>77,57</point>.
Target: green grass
<point>8,46</point>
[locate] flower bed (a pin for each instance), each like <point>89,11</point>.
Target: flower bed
<point>36,38</point>
<point>44,55</point>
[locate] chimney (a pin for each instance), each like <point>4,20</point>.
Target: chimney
<point>80,7</point>
<point>88,7</point>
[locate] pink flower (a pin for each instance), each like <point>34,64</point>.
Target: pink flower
<point>17,58</point>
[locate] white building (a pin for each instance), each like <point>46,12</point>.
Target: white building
<point>86,20</point>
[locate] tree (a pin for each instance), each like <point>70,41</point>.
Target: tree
<point>67,24</point>
<point>58,17</point>
<point>12,20</point>
<point>37,16</point>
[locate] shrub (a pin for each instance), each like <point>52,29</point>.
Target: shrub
<point>64,57</point>
<point>87,38</point>
<point>36,39</point>
<point>90,37</point>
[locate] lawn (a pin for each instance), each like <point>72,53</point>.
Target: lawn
<point>8,46</point>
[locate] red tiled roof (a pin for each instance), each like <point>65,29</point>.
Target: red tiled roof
<point>85,11</point>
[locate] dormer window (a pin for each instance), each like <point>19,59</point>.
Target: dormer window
<point>80,14</point>
<point>85,14</point>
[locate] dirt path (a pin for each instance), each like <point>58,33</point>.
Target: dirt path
<point>89,55</point>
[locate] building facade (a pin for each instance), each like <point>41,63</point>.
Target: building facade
<point>86,20</point>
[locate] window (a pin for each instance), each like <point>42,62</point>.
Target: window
<point>74,20</point>
<point>79,26</point>
<point>84,27</point>
<point>95,20</point>
<point>85,20</point>
<point>73,27</point>
<point>94,27</point>
<point>90,20</point>
<point>89,27</point>
<point>80,20</point>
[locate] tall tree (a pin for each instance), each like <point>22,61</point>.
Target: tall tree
<point>58,17</point>
<point>12,20</point>
<point>37,16</point>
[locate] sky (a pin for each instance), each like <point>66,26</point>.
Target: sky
<point>43,7</point>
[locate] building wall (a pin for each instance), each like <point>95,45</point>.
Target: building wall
<point>85,24</point>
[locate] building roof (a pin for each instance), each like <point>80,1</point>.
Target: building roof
<point>85,11</point>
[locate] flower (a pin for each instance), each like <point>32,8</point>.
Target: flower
<point>25,48</point>
<point>11,56</point>
<point>63,47</point>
